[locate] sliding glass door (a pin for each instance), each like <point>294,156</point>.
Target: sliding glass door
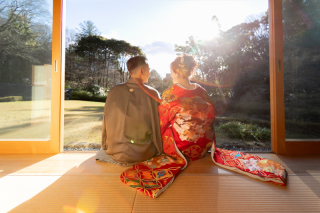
<point>30,76</point>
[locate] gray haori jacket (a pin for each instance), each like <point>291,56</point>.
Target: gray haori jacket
<point>131,126</point>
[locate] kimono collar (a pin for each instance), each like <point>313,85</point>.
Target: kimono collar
<point>196,86</point>
<point>134,81</point>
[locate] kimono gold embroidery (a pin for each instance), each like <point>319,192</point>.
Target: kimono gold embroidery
<point>196,152</point>
<point>154,192</point>
<point>191,122</point>
<point>193,151</point>
<point>173,112</point>
<point>168,96</point>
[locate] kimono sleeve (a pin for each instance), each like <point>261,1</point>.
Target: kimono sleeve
<point>207,98</point>
<point>164,111</point>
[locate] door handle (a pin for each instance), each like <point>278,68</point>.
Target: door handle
<point>55,66</point>
<point>279,66</point>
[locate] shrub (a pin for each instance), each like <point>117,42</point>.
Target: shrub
<point>243,119</point>
<point>11,98</point>
<point>86,96</point>
<point>244,131</point>
<point>96,90</point>
<point>80,95</point>
<point>99,98</point>
<point>67,85</point>
<point>263,134</point>
<point>232,129</point>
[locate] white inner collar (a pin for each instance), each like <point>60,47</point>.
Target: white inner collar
<point>196,86</point>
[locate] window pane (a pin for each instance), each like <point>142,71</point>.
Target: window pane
<point>25,69</point>
<point>301,37</point>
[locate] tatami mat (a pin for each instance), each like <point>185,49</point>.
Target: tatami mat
<point>75,182</point>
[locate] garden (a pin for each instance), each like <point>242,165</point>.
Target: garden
<point>233,68</point>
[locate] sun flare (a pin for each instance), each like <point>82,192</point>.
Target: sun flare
<point>207,30</point>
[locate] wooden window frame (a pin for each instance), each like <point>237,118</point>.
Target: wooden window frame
<point>279,144</point>
<point>54,144</point>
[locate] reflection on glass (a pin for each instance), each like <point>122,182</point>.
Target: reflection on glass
<point>234,69</point>
<point>25,70</point>
<point>301,37</point>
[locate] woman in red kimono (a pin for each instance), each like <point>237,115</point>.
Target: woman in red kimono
<point>187,128</point>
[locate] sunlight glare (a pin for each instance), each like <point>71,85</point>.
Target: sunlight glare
<point>16,190</point>
<point>89,201</point>
<point>24,184</point>
<point>207,30</point>
<point>164,61</point>
<point>72,209</point>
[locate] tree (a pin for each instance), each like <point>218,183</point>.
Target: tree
<point>158,83</point>
<point>25,38</point>
<point>87,28</point>
<point>155,80</point>
<point>110,58</point>
<point>166,83</point>
<point>196,49</point>
<point>93,59</point>
<point>90,48</point>
<point>301,30</point>
<point>234,63</point>
<point>125,51</point>
<point>70,37</point>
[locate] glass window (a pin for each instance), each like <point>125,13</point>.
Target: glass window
<point>25,69</point>
<point>301,37</point>
<point>234,69</point>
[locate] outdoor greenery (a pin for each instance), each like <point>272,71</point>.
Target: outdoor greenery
<point>234,67</point>
<point>87,96</point>
<point>11,98</point>
<point>245,131</point>
<point>92,59</point>
<point>25,39</point>
<point>83,121</point>
<point>158,83</point>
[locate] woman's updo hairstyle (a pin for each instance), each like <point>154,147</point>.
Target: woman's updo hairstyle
<point>184,65</point>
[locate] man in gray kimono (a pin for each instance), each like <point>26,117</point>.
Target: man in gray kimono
<point>131,128</point>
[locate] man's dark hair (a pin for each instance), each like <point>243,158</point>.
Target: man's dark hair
<point>135,62</point>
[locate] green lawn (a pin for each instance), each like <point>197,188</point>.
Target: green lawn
<point>30,120</point>
<point>19,119</point>
<point>82,121</point>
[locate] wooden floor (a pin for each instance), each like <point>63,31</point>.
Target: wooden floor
<point>75,182</point>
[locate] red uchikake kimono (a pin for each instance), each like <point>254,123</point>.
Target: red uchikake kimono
<point>187,129</point>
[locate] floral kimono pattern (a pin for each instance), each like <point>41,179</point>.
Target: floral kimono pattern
<point>187,129</point>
